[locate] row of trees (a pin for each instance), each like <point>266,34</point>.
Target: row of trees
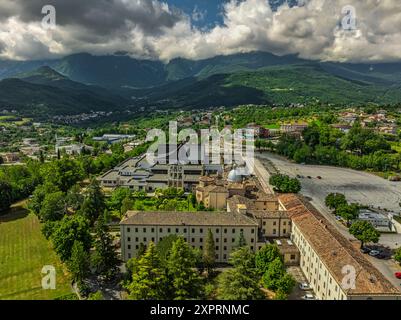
<point>359,149</point>
<point>174,270</point>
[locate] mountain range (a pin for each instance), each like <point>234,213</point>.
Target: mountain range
<point>84,82</point>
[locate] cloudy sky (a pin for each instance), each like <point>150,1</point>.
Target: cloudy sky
<point>199,29</point>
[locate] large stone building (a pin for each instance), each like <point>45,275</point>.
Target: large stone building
<point>139,174</point>
<point>334,267</point>
<point>144,227</point>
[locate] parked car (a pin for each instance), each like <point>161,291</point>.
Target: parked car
<point>374,253</point>
<point>309,296</point>
<point>304,286</point>
<point>398,275</point>
<point>365,250</point>
<point>381,255</point>
<point>338,218</point>
<point>319,177</point>
<point>309,177</point>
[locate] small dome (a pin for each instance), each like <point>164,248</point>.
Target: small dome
<point>234,176</point>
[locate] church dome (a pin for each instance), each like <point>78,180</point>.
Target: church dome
<point>234,176</point>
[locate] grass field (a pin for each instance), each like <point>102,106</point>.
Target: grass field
<point>23,253</point>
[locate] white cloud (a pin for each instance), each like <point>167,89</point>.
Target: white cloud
<point>312,30</point>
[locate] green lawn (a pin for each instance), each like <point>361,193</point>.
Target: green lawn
<point>23,253</point>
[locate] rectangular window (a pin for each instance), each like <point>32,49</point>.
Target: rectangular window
<point>152,230</point>
<point>176,230</point>
<point>136,229</point>
<point>129,247</point>
<point>129,239</point>
<point>233,230</point>
<point>144,229</point>
<point>128,229</point>
<point>161,230</point>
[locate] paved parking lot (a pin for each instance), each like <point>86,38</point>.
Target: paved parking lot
<point>299,277</point>
<point>360,187</point>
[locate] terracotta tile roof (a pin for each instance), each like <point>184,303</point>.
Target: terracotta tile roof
<point>334,250</point>
<point>268,214</point>
<point>172,218</point>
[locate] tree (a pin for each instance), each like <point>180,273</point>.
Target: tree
<point>94,203</point>
<point>117,197</point>
<point>104,258</point>
<point>276,279</point>
<point>63,173</point>
<point>397,255</point>
<point>209,253</point>
<point>285,184</point>
<point>149,280</point>
<point>78,264</point>
<point>38,196</point>
<point>348,212</point>
<point>265,256</point>
<point>74,197</point>
<point>6,197</point>
<point>185,281</point>
<point>364,232</point>
<point>127,204</point>
<point>241,241</point>
<point>69,230</point>
<point>241,282</point>
<point>53,207</point>
<point>164,247</point>
<point>335,200</point>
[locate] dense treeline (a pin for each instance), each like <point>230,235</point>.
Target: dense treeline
<point>19,182</point>
<point>172,269</point>
<point>359,149</point>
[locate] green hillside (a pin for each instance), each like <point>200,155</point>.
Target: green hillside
<point>285,84</point>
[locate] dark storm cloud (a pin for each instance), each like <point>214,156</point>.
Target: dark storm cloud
<point>103,17</point>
